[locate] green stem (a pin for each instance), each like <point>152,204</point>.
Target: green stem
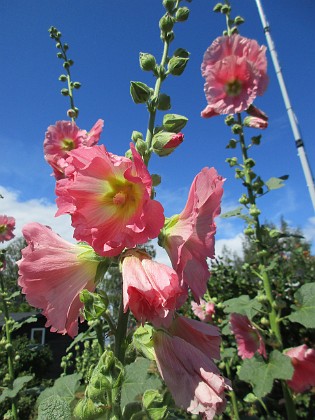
<point>121,333</point>
<point>100,336</point>
<point>232,394</point>
<point>289,403</point>
<point>10,360</point>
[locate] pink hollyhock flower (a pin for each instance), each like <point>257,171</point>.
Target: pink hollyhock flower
<point>65,136</point>
<point>52,274</point>
<point>248,339</point>
<point>192,378</point>
<point>255,122</point>
<point>203,336</point>
<point>235,72</point>
<point>303,361</point>
<point>150,290</point>
<point>189,237</point>
<point>204,311</point>
<point>108,198</point>
<point>7,226</point>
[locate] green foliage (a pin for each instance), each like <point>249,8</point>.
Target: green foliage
<point>242,305</point>
<point>304,308</point>
<point>54,407</point>
<point>17,386</point>
<point>64,387</point>
<point>262,375</point>
<point>137,380</point>
<point>142,340</point>
<point>275,183</point>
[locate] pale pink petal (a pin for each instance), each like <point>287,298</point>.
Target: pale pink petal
<point>303,360</point>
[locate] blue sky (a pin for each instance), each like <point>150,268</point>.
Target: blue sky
<point>105,39</point>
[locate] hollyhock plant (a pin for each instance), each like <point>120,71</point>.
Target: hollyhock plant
<point>192,377</point>
<point>165,143</point>
<point>303,361</point>
<point>188,237</point>
<point>150,290</point>
<point>234,68</point>
<point>204,311</point>
<point>248,339</point>
<point>203,336</point>
<point>7,226</point>
<point>52,274</point>
<point>108,198</point>
<point>65,136</point>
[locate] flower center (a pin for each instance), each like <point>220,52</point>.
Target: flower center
<point>67,144</point>
<point>233,88</point>
<point>3,228</point>
<point>120,198</point>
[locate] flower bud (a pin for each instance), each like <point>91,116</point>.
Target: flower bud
<point>77,85</point>
<point>249,231</point>
<point>174,122</point>
<point>239,173</point>
<point>140,92</point>
<point>243,199</point>
<point>165,143</point>
<point>71,113</point>
<point>232,144</point>
<point>229,120</point>
<point>164,102</point>
<point>182,14</point>
<point>239,20</point>
<point>141,146</point>
<point>147,61</point>
<point>177,65</point>
<point>64,92</point>
<point>166,23</point>
<point>225,9</point>
<point>217,8</point>
<point>59,55</point>
<point>255,122</point>
<point>254,211</point>
<point>156,180</point>
<point>256,112</point>
<point>237,129</point>
<point>264,321</point>
<point>63,78</point>
<point>256,140</point>
<point>169,5</point>
<point>249,163</point>
<point>232,161</point>
<point>136,135</point>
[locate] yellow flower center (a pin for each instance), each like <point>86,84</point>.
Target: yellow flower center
<point>67,144</point>
<point>233,88</point>
<point>3,228</point>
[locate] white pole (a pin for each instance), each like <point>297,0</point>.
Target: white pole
<point>293,120</point>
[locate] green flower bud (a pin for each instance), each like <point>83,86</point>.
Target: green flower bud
<point>164,143</point>
<point>64,92</point>
<point>147,61</point>
<point>232,144</point>
<point>174,122</point>
<point>217,8</point>
<point>232,161</point>
<point>249,231</point>
<point>164,102</point>
<point>77,85</point>
<point>262,253</point>
<point>254,211</point>
<point>59,55</point>
<point>72,113</point>
<point>264,321</point>
<point>249,163</point>
<point>63,78</point>
<point>128,154</point>
<point>58,45</point>
<point>225,9</point>
<point>71,62</point>
<point>169,5</point>
<point>229,120</point>
<point>243,199</point>
<point>136,135</point>
<point>140,92</point>
<point>234,30</point>
<point>182,14</point>
<point>239,173</point>
<point>237,129</point>
<point>177,65</point>
<point>156,180</point>
<point>65,47</point>
<point>256,140</point>
<point>87,409</point>
<point>239,20</point>
<point>141,146</point>
<point>262,298</point>
<point>166,23</point>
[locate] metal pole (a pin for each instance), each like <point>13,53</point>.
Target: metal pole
<point>293,120</point>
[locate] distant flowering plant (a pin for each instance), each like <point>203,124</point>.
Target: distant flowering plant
<point>65,136</point>
<point>204,310</point>
<point>7,226</point>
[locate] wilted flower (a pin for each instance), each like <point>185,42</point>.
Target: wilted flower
<point>150,290</point>
<point>52,274</point>
<point>203,336</point>
<point>108,198</point>
<point>204,311</point>
<point>65,136</point>
<point>303,361</point>
<point>255,122</point>
<point>248,339</point>
<point>192,378</point>
<point>7,226</point>
<point>189,237</point>
<point>235,72</point>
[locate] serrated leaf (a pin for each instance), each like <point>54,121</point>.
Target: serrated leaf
<point>64,387</point>
<point>137,380</point>
<point>242,305</point>
<point>261,375</point>
<point>54,407</point>
<point>18,384</point>
<point>232,213</point>
<point>304,310</point>
<point>275,183</point>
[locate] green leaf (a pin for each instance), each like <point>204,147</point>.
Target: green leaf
<point>232,213</point>
<point>275,183</point>
<point>54,407</point>
<point>153,403</point>
<point>64,387</point>
<point>18,325</point>
<point>242,305</point>
<point>228,353</point>
<point>304,310</point>
<point>142,340</point>
<point>18,384</point>
<point>137,380</point>
<point>261,375</point>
